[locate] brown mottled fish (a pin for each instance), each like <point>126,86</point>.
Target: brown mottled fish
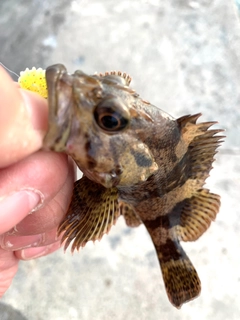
<point>137,161</point>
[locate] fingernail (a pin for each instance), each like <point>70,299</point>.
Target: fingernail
<point>13,243</point>
<point>36,199</point>
<point>17,206</point>
<point>13,231</point>
<point>33,253</point>
<point>31,199</point>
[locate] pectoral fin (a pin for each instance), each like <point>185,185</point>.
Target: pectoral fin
<point>91,214</point>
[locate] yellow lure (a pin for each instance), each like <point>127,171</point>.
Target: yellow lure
<point>34,80</point>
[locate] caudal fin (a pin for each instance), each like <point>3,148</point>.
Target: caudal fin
<point>180,277</point>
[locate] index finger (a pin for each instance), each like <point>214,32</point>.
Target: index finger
<point>23,121</point>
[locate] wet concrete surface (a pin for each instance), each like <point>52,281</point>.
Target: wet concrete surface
<point>184,57</point>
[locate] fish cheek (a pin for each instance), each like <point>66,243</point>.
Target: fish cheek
<point>137,163</point>
<point>142,160</point>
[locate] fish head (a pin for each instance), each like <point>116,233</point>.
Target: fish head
<point>103,125</point>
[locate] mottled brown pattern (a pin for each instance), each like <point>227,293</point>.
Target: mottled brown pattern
<point>129,214</point>
<point>92,221</point>
<point>137,161</point>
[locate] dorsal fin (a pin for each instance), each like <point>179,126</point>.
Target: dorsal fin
<point>202,144</point>
<point>92,212</point>
<point>198,211</point>
<point>120,74</point>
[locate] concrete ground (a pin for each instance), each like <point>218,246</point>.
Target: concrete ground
<point>184,56</point>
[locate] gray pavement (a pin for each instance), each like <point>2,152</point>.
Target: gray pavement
<point>184,57</point>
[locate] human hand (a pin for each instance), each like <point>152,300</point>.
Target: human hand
<point>35,185</point>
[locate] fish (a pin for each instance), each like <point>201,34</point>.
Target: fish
<point>137,162</point>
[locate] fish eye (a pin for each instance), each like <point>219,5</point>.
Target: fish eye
<point>111,115</point>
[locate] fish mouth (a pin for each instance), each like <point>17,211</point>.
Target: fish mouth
<point>106,179</point>
<point>60,100</point>
<point>68,96</point>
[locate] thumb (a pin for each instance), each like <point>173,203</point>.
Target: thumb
<point>23,121</point>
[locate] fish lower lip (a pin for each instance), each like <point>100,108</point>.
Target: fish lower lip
<point>106,179</point>
<point>109,180</point>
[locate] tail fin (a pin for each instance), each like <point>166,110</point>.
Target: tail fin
<point>180,277</point>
